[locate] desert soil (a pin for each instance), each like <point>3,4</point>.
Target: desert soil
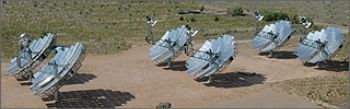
<point>130,79</point>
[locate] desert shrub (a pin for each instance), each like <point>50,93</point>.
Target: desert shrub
<point>216,18</point>
<point>317,27</point>
<point>193,19</point>
<point>202,8</point>
<point>309,19</point>
<point>283,16</point>
<point>235,11</point>
<point>164,105</point>
<point>274,16</point>
<point>295,19</point>
<point>181,18</point>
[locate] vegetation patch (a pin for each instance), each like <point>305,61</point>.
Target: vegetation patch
<point>274,15</point>
<point>236,11</point>
<point>331,89</point>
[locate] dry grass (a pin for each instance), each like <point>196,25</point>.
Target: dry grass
<point>107,26</point>
<point>112,26</point>
<point>331,89</point>
<point>331,12</point>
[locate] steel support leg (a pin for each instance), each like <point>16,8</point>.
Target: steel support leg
<point>170,64</point>
<point>31,75</point>
<point>56,96</point>
<point>209,79</point>
<point>270,54</point>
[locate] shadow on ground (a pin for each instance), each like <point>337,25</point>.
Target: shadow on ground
<point>236,79</point>
<point>281,55</point>
<point>177,66</point>
<point>91,99</point>
<point>80,78</point>
<point>307,64</point>
<point>24,81</point>
<point>333,65</point>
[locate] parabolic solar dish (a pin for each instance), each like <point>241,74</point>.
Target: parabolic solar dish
<point>272,36</point>
<point>60,68</point>
<point>212,57</point>
<point>169,45</point>
<point>40,50</point>
<point>320,45</point>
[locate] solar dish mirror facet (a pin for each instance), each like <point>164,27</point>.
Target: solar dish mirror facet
<point>273,36</point>
<point>212,57</point>
<point>320,45</point>
<point>170,45</point>
<point>60,68</point>
<point>39,50</point>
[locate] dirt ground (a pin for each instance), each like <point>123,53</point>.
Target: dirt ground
<point>130,79</point>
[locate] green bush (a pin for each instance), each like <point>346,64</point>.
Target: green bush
<point>283,16</point>
<point>216,18</point>
<point>164,105</point>
<point>295,19</point>
<point>181,18</point>
<point>202,8</point>
<point>236,11</point>
<point>309,19</point>
<point>193,19</point>
<point>274,16</point>
<point>317,27</point>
